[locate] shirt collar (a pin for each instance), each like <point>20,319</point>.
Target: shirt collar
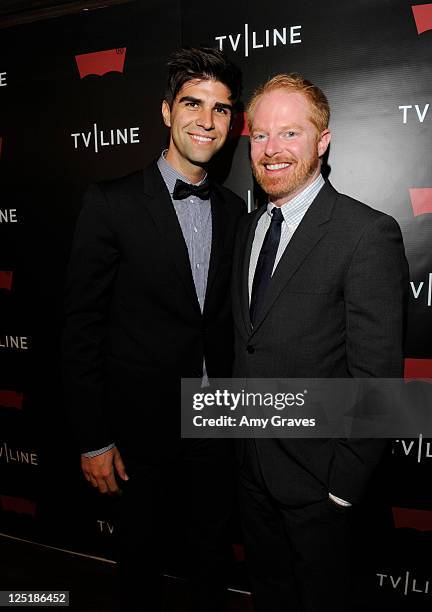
<point>294,210</point>
<point>170,175</point>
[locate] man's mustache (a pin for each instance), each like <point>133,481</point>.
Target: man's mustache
<point>276,160</point>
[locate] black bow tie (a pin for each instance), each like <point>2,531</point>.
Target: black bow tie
<point>183,190</point>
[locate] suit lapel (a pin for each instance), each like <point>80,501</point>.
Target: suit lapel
<point>218,213</point>
<point>161,209</point>
<point>310,231</point>
<point>250,234</point>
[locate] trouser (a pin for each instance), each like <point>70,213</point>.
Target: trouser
<point>297,557</point>
<point>178,509</point>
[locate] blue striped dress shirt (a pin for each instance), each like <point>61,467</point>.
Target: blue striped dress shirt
<point>293,212</point>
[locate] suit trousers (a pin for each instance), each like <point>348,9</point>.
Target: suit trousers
<point>297,557</point>
<point>174,519</point>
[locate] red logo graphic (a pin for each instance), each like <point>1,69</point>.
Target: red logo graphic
<point>239,126</point>
<point>11,399</point>
<point>418,369</point>
<point>421,200</point>
<point>101,62</point>
<point>18,505</point>
<point>409,518</point>
<point>239,554</point>
<point>6,280</point>
<point>423,17</point>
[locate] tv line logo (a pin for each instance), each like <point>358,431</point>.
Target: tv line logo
<point>100,63</point>
<point>98,138</point>
<point>422,288</point>
<point>105,527</point>
<point>3,79</point>
<point>422,17</point>
<point>250,40</point>
<point>404,583</point>
<point>18,455</point>
<point>420,112</point>
<point>421,199</point>
<point>19,343</point>
<point>8,215</point>
<point>418,448</point>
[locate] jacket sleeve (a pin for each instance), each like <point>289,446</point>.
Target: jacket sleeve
<point>375,299</point>
<point>92,269</point>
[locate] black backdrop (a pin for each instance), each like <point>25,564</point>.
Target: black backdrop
<point>57,110</point>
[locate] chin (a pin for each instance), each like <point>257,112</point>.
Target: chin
<point>198,160</point>
<point>276,189</point>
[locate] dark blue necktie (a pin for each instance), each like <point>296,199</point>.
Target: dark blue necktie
<point>265,264</point>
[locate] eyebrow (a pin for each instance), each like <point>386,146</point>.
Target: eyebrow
<point>199,101</point>
<point>283,128</point>
<point>222,105</point>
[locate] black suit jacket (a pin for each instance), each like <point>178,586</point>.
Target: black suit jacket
<point>334,309</point>
<point>133,321</point>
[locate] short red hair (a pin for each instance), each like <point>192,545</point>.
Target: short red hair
<point>294,83</point>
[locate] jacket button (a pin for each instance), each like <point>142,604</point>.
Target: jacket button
<point>250,348</point>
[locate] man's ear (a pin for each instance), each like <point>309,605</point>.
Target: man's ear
<point>323,142</point>
<point>166,113</point>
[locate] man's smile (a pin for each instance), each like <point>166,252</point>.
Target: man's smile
<point>200,138</point>
<point>277,167</point>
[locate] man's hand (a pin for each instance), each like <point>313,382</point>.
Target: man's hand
<point>99,470</point>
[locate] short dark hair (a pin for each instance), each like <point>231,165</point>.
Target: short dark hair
<point>204,63</point>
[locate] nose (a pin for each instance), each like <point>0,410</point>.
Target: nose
<point>205,119</point>
<point>272,146</point>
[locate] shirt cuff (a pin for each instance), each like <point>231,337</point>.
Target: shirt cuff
<point>338,500</point>
<point>100,451</point>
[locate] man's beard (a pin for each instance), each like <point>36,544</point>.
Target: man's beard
<point>285,184</point>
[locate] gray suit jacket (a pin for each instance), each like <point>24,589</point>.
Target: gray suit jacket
<point>334,309</point>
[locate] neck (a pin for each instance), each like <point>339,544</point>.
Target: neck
<point>183,166</point>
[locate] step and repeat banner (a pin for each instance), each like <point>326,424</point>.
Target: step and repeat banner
<point>80,101</point>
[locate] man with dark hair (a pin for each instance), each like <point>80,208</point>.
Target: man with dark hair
<point>188,64</point>
<point>148,303</point>
<point>319,285</point>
